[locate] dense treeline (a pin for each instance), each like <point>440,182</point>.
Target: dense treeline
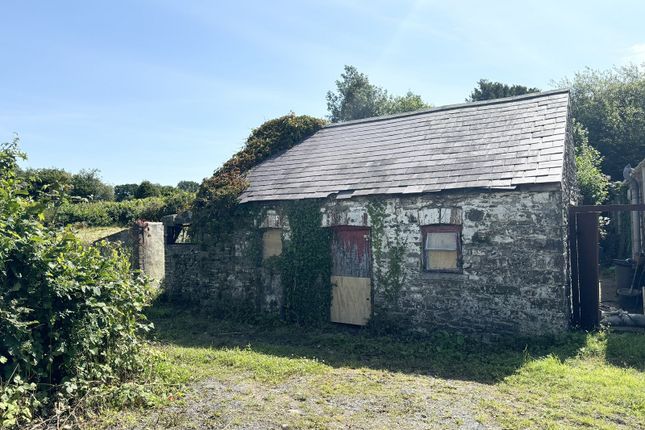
<point>87,185</point>
<point>106,213</point>
<point>84,198</point>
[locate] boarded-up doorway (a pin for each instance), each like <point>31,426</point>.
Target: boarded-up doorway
<point>351,275</point>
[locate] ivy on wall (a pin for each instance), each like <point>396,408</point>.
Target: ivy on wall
<point>306,265</point>
<point>216,210</point>
<point>219,218</point>
<point>389,271</point>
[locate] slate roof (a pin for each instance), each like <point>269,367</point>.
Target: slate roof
<point>493,144</point>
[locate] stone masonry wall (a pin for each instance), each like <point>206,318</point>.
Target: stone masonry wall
<point>514,280</point>
<point>145,245</point>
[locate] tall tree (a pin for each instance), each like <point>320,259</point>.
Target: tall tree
<point>125,192</point>
<point>88,184</point>
<point>146,189</point>
<point>487,90</point>
<point>356,97</point>
<point>611,106</point>
<point>188,186</point>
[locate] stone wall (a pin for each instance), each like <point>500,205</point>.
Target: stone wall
<point>514,278</point>
<point>145,244</point>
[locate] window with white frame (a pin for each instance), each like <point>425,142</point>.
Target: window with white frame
<point>441,248</point>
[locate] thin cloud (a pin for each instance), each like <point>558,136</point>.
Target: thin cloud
<point>635,54</point>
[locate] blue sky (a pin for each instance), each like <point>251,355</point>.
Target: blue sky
<point>168,90</point>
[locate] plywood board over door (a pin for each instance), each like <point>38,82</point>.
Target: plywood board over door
<point>351,275</point>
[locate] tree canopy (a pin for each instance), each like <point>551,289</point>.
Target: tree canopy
<point>356,97</point>
<point>611,107</point>
<point>488,90</point>
<point>593,184</point>
<point>88,184</point>
<point>188,186</point>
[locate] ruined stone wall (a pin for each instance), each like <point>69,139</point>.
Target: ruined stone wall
<point>145,244</point>
<point>514,278</point>
<point>229,277</point>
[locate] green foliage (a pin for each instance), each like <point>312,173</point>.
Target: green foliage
<point>356,98</point>
<point>389,270</point>
<point>188,186</point>
<point>47,184</point>
<point>69,314</point>
<point>487,90</point>
<point>97,214</point>
<point>593,184</point>
<point>306,265</point>
<point>217,206</point>
<point>146,189</point>
<point>125,192</point>
<point>87,184</point>
<point>610,105</point>
<point>406,103</point>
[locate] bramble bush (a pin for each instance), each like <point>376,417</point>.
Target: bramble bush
<point>70,315</point>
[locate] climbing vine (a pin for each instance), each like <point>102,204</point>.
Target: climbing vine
<point>306,265</point>
<point>389,271</point>
<point>216,210</point>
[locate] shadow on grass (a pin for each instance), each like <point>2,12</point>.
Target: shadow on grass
<point>440,354</point>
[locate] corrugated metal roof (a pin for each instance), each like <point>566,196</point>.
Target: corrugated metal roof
<point>493,144</point>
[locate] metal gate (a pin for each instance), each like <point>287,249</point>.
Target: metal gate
<point>584,252</point>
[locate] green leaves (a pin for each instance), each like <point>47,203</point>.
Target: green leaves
<point>102,213</point>
<point>70,315</point>
<point>356,98</point>
<point>306,265</point>
<point>593,184</point>
<point>487,90</point>
<point>611,107</point>
<point>216,208</point>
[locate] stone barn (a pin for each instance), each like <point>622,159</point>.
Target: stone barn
<point>453,217</point>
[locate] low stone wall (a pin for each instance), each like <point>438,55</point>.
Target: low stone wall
<point>514,278</point>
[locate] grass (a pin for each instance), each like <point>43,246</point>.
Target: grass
<point>240,375</point>
<point>92,234</point>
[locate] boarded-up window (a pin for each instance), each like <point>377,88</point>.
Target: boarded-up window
<point>442,248</point>
<point>271,242</point>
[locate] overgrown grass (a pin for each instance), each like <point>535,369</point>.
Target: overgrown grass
<point>92,234</point>
<point>335,376</point>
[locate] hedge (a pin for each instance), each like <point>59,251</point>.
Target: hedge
<point>102,213</point>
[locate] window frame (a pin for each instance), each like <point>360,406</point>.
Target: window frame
<point>266,230</point>
<point>441,228</point>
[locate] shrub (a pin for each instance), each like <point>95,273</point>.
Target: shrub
<point>70,315</point>
<point>100,214</point>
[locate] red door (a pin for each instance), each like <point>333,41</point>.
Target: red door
<point>351,275</point>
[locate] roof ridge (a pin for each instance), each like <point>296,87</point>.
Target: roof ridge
<point>451,107</point>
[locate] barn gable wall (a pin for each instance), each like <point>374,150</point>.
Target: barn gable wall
<point>514,278</point>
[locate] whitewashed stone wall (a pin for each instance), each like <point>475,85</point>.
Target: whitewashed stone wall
<point>514,278</point>
<point>514,281</point>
